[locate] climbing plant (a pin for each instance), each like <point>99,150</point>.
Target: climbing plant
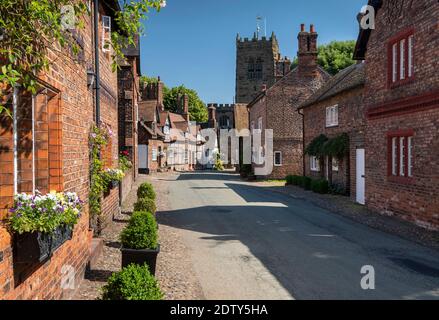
<point>315,148</point>
<point>29,28</point>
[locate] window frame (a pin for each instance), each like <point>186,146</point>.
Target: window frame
<point>401,59</point>
<point>332,119</point>
<point>280,159</point>
<point>106,29</point>
<point>400,151</point>
<point>314,164</point>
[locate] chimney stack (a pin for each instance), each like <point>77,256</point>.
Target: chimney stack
<point>307,54</point>
<point>212,115</point>
<point>186,107</point>
<point>160,86</point>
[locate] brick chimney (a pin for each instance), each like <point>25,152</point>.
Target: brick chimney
<point>212,115</point>
<point>186,107</point>
<point>307,53</point>
<point>159,89</point>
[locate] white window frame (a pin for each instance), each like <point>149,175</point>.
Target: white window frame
<point>410,56</point>
<point>280,158</point>
<point>106,33</point>
<point>332,116</point>
<point>335,164</point>
<point>398,154</point>
<point>154,154</point>
<point>402,70</point>
<point>394,62</point>
<point>314,164</point>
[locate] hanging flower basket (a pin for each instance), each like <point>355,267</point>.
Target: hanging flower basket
<point>42,223</point>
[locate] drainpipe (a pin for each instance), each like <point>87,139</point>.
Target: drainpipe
<point>303,141</point>
<point>97,76</point>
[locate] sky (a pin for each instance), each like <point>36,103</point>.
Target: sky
<point>192,42</point>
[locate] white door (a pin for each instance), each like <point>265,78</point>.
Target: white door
<point>361,181</point>
<point>143,156</point>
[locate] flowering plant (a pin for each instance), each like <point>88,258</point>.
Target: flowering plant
<point>124,161</point>
<point>113,175</point>
<point>44,213</point>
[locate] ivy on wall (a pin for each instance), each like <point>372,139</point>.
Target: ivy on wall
<point>28,28</point>
<point>322,146</point>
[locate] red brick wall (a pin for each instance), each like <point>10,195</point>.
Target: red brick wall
<point>76,116</point>
<point>351,120</point>
<point>279,112</point>
<point>416,201</point>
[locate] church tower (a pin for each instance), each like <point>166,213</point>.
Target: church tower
<point>258,63</point>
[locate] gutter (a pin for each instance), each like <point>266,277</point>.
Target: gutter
<point>97,71</point>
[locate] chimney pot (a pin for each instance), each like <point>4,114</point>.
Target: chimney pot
<point>302,27</point>
<point>312,29</point>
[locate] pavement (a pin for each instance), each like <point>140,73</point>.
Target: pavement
<point>246,241</point>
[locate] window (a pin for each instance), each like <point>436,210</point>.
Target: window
<point>401,59</point>
<point>30,144</point>
<point>186,156</point>
<point>278,158</point>
<point>400,162</point>
<point>106,33</point>
<point>332,116</point>
<point>258,69</point>
<point>224,122</point>
<point>154,154</point>
<point>207,153</point>
<point>260,123</point>
<point>335,164</point>
<point>251,69</point>
<point>314,164</point>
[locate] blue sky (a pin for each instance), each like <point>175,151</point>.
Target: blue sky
<point>192,42</point>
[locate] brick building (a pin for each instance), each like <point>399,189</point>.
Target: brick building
<point>336,109</point>
<point>402,107</point>
<point>258,62</point>
<point>128,103</point>
<point>50,132</point>
<point>276,107</point>
<point>152,145</point>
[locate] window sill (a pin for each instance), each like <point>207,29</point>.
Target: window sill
<point>400,83</point>
<point>278,165</point>
<point>401,180</point>
<point>332,126</point>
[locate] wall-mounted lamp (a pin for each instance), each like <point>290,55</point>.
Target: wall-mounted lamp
<point>90,77</point>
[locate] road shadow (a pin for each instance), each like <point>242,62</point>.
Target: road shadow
<point>311,253</point>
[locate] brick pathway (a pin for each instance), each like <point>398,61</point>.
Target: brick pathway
<point>344,206</point>
<point>174,268</point>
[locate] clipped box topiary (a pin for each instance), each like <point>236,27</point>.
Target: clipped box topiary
<point>146,190</point>
<point>134,282</point>
<point>145,204</point>
<point>320,186</point>
<point>140,241</point>
<point>306,183</point>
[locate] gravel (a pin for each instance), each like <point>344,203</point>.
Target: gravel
<point>174,267</point>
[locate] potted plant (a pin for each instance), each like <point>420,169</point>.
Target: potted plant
<point>113,177</point>
<point>139,241</point>
<point>42,223</point>
<point>145,204</point>
<point>146,190</point>
<point>134,282</point>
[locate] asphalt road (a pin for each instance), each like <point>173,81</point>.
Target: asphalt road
<point>248,242</point>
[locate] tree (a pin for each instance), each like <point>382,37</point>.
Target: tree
<point>335,56</point>
<point>28,29</point>
<point>197,108</point>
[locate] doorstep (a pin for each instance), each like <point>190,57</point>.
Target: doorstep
<point>96,249</point>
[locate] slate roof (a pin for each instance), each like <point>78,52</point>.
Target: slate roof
<point>147,110</point>
<point>349,78</point>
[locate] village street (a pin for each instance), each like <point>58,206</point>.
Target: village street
<point>246,241</point>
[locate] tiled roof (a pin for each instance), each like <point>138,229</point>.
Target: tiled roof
<point>347,79</point>
<point>147,110</point>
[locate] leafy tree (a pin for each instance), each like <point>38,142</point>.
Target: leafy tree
<point>335,56</point>
<point>197,108</point>
<point>29,28</point>
<point>146,79</point>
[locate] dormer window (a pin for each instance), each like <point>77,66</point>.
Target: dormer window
<point>401,59</point>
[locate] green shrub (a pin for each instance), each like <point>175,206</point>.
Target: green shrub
<point>297,180</point>
<point>146,190</point>
<point>132,283</point>
<point>306,183</point>
<point>141,232</point>
<point>320,186</point>
<point>289,180</point>
<point>145,204</point>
